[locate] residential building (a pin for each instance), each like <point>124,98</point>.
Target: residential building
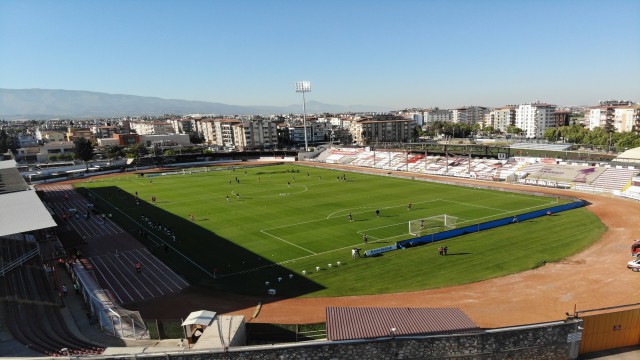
<point>24,141</point>
<point>469,114</point>
<point>76,133</point>
<point>184,126</point>
<point>50,136</point>
<point>224,132</point>
<point>151,127</point>
<point>437,114</point>
<point>208,130</point>
<point>317,132</point>
<point>501,118</point>
<point>621,116</point>
<point>367,131</point>
<point>104,132</point>
<point>256,134</point>
<point>535,118</point>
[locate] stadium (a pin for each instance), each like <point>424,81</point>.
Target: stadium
<point>532,243</point>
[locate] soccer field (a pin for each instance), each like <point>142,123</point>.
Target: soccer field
<point>250,225</point>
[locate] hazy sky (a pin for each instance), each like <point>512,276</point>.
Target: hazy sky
<point>404,53</point>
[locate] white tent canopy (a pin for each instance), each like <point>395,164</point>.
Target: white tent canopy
<point>202,317</point>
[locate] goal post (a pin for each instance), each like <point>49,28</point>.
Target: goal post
<point>432,224</point>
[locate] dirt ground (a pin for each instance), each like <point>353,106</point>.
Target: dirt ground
<point>595,278</point>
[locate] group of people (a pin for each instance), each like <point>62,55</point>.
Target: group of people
<point>156,226</point>
<point>442,250</point>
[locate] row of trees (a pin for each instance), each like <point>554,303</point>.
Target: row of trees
<point>597,137</point>
<point>459,130</point>
<point>575,134</point>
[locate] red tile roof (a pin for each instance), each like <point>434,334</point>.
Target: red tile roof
<point>350,323</point>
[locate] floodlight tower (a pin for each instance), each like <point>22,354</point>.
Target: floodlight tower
<point>304,87</point>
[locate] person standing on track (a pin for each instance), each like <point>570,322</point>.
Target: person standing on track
<point>138,267</point>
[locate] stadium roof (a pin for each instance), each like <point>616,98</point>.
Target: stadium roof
<point>23,211</point>
<point>351,323</point>
<point>202,317</point>
<point>631,155</point>
<point>10,178</point>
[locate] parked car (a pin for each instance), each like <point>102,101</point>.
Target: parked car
<point>634,265</point>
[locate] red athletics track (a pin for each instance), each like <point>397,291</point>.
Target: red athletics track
<point>111,252</point>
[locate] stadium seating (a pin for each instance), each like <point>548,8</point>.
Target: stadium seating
<point>32,309</point>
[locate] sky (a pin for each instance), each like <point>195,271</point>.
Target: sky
<point>399,54</point>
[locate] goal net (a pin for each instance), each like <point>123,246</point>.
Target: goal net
<point>432,224</point>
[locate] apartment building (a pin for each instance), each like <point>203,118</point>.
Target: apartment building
<point>437,114</point>
<point>49,135</point>
<point>367,131</point>
<point>208,130</point>
<point>469,114</point>
<point>104,132</point>
<point>535,118</point>
<point>622,116</point>
<point>151,127</point>
<point>76,133</point>
<point>501,118</point>
<point>255,134</point>
<point>224,135</point>
<point>317,132</point>
<point>184,126</point>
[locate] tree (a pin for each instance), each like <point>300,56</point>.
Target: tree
<point>137,151</point>
<point>113,152</point>
<point>512,129</point>
<point>83,149</point>
<point>4,141</point>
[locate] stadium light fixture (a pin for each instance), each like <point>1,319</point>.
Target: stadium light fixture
<point>304,87</point>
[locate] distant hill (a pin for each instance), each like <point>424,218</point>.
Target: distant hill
<point>44,104</point>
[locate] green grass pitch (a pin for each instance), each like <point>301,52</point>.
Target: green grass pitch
<point>281,220</point>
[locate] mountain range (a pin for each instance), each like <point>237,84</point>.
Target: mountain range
<point>45,104</point>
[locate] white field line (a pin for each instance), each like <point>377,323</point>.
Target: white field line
<point>154,235</point>
<point>283,240</point>
<point>351,246</point>
<point>343,212</point>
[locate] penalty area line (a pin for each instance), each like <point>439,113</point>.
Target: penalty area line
<point>285,241</point>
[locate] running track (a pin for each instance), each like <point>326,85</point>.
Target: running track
<point>112,253</point>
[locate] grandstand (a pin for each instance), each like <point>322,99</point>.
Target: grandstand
<point>525,170</point>
<point>27,287</point>
<point>32,309</point>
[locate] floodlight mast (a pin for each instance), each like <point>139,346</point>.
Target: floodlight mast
<point>304,87</point>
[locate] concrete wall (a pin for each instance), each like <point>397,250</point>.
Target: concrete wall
<point>544,341</point>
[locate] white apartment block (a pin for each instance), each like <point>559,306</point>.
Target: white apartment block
<point>183,126</point>
<point>469,114</point>
<point>224,132</point>
<point>152,127</point>
<point>437,114</point>
<point>622,117</point>
<point>208,130</point>
<point>502,117</point>
<point>535,118</point>
<point>256,134</point>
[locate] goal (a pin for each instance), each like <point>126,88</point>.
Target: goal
<point>432,224</point>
